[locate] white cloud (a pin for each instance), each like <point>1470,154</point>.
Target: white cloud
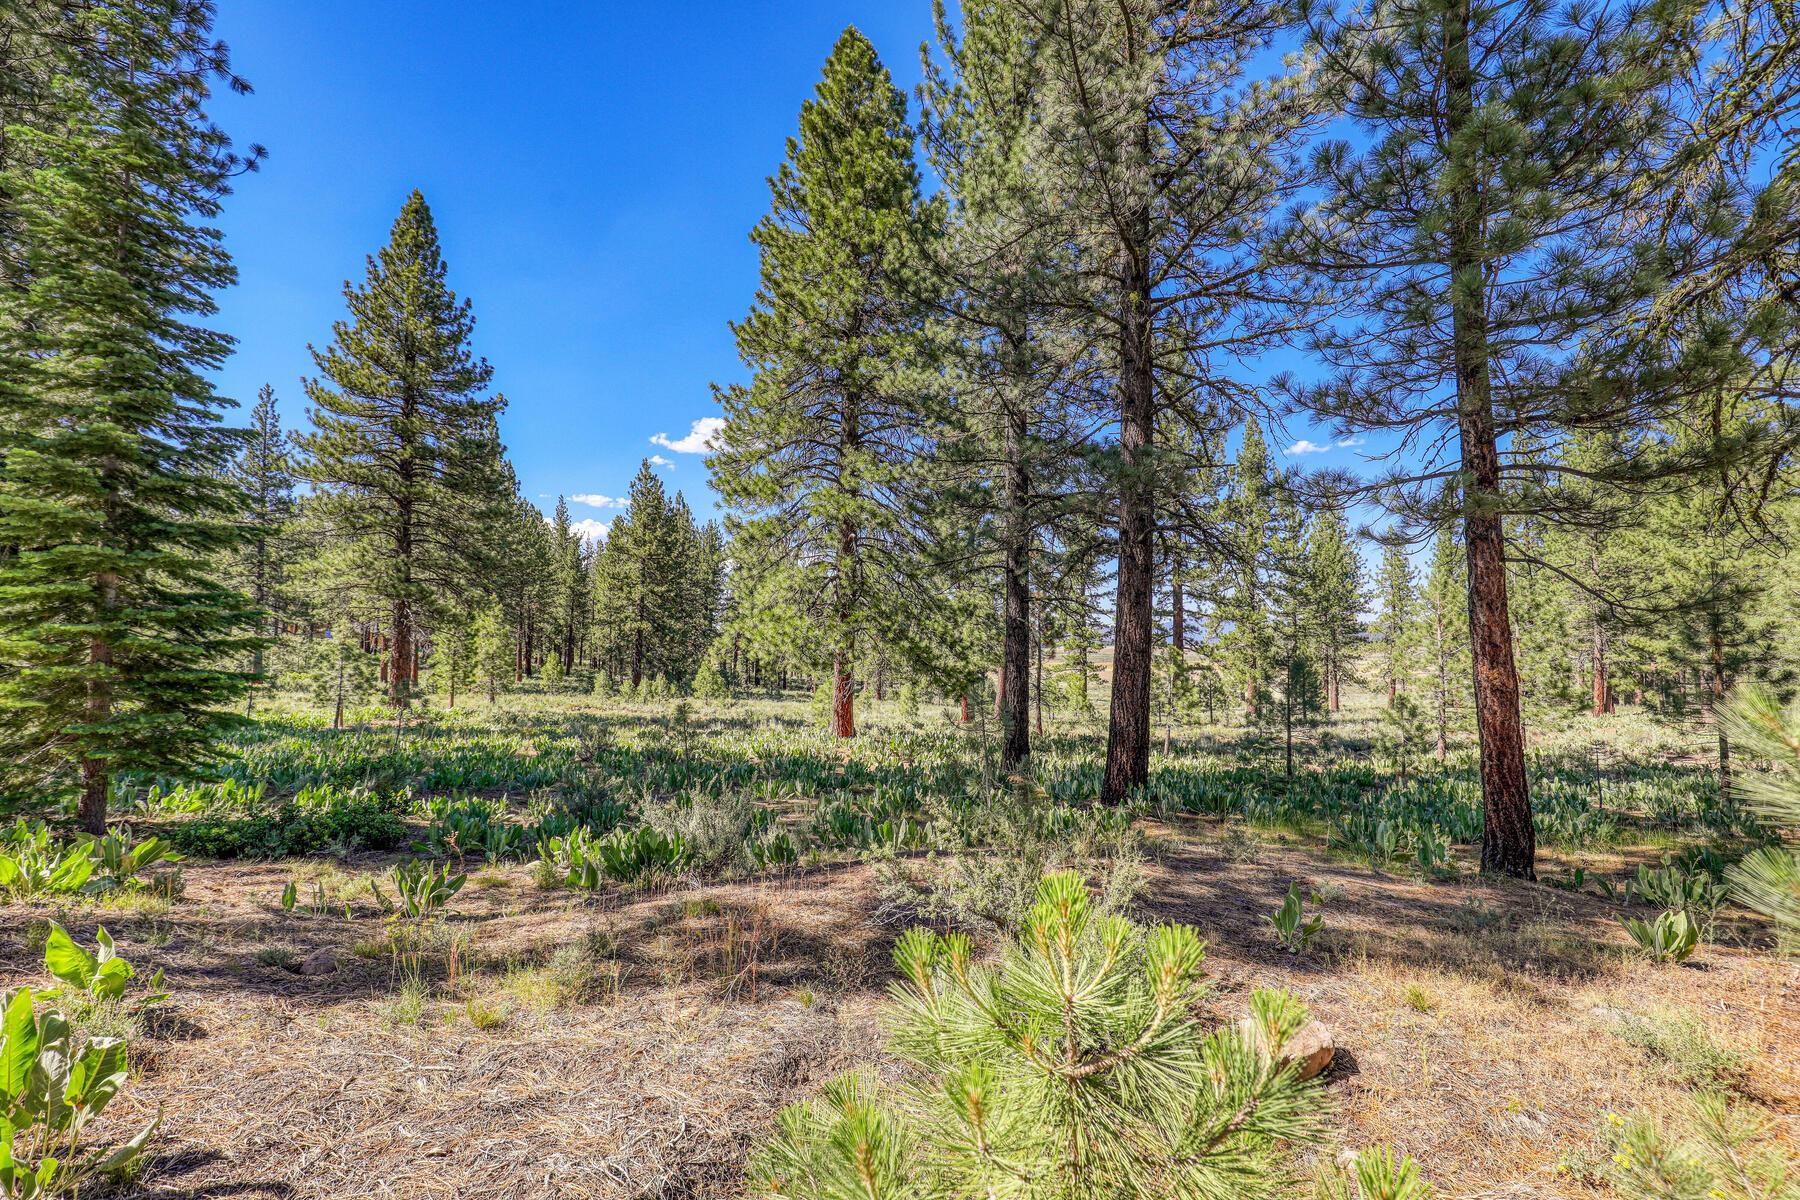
<point>1305,447</point>
<point>590,530</point>
<point>657,460</point>
<point>596,500</point>
<point>702,437</point>
<point>1351,442</point>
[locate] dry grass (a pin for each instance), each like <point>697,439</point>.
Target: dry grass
<point>545,1045</point>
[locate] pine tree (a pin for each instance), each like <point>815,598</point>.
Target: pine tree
<point>1443,620</point>
<point>1007,443</point>
<point>1768,879</point>
<point>1296,626</point>
<point>264,471</point>
<point>812,445</point>
<point>1251,510</point>
<point>1115,1092</point>
<point>1487,244</point>
<point>1166,167</point>
<point>640,582</point>
<point>570,588</point>
<point>404,452</point>
<point>492,651</point>
<point>337,671</point>
<point>1394,625</point>
<point>1336,597</point>
<point>113,627</point>
<point>1713,570</point>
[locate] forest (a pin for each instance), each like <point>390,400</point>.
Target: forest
<point>1015,770</point>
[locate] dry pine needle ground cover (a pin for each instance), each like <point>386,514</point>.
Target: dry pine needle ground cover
<point>637,1043</point>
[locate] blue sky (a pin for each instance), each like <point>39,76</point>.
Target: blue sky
<point>594,170</point>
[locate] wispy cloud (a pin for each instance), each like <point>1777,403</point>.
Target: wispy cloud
<point>657,460</point>
<point>1352,442</point>
<point>1305,447</point>
<point>701,438</point>
<point>590,529</point>
<point>596,500</point>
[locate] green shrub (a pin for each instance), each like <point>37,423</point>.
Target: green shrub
<point>1073,1069</point>
<point>1378,1174</point>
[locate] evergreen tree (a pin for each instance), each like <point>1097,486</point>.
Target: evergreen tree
<point>1715,573</point>
<point>1336,595</point>
<point>641,582</point>
<point>1007,440</point>
<point>1487,242</point>
<point>263,469</point>
<point>1395,624</point>
<point>404,452</point>
<point>1251,509</point>
<point>1117,1094</point>
<point>113,627</point>
<point>1443,619</point>
<point>571,590</point>
<point>453,662</point>
<point>335,668</point>
<point>492,651</point>
<point>1166,167</point>
<point>1296,624</point>
<point>812,446</point>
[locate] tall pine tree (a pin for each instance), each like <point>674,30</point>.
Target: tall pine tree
<point>404,453</point>
<point>813,446</point>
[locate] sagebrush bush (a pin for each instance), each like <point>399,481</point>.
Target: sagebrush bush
<point>1073,1069</point>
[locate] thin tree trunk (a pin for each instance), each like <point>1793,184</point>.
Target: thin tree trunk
<point>1720,685</point>
<point>1508,842</point>
<point>1602,684</point>
<point>843,708</point>
<point>1037,692</point>
<point>1015,657</point>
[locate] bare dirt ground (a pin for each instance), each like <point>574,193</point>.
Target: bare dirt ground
<point>637,1046</point>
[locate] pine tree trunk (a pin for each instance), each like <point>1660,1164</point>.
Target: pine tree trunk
<point>1128,727</point>
<point>1037,692</point>
<point>1177,620</point>
<point>1015,657</point>
<point>1602,685</point>
<point>1508,842</point>
<point>843,709</point>
<point>1720,684</point>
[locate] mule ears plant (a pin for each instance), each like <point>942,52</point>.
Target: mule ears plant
<point>50,1090</point>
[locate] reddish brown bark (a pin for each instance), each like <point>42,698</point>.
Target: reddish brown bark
<point>1508,841</point>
